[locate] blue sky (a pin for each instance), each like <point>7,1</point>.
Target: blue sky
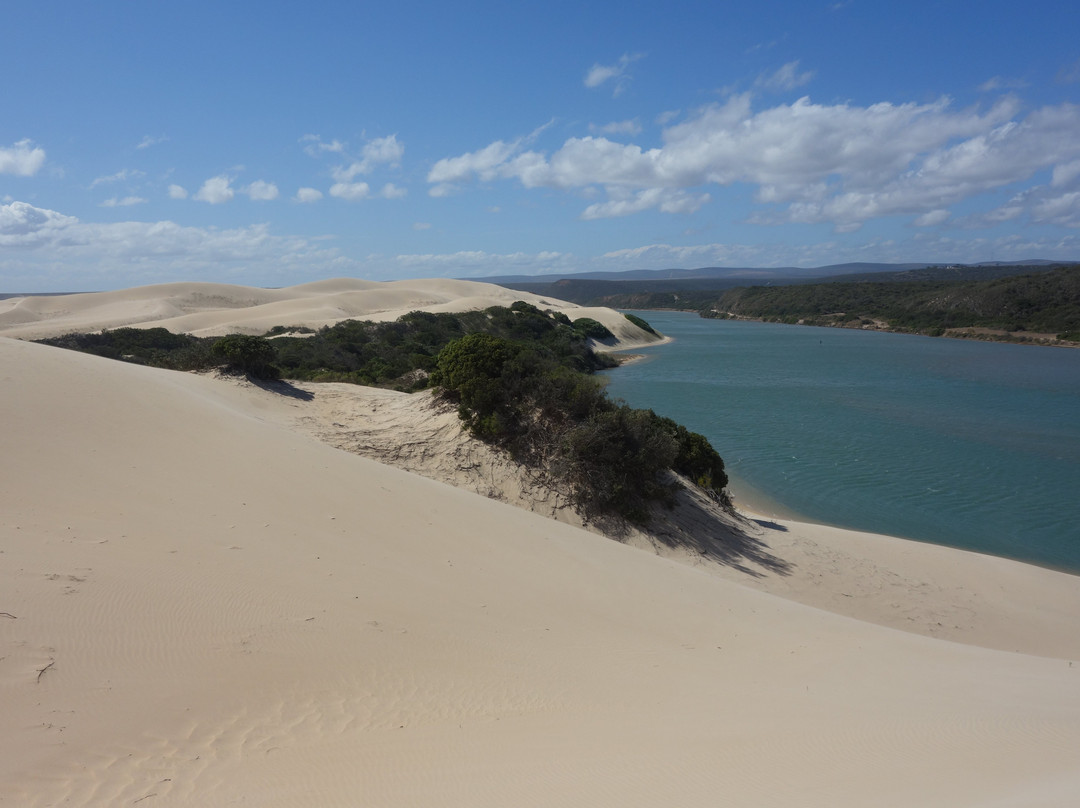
<point>275,143</point>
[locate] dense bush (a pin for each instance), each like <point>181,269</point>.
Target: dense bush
<point>243,353</point>
<point>640,323</point>
<point>592,329</point>
<point>613,460</point>
<point>145,346</point>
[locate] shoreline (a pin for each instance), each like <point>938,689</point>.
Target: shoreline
<point>972,333</point>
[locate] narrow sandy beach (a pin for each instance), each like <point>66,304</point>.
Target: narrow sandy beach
<point>204,602</point>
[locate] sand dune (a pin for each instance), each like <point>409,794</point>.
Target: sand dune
<point>201,604</point>
<point>213,309</point>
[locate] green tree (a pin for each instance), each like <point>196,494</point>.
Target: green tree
<point>247,354</point>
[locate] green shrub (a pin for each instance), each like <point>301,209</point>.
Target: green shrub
<point>247,354</point>
<point>640,323</point>
<point>592,329</point>
<point>614,460</point>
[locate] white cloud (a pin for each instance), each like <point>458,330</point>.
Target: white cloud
<point>23,159</point>
<point>350,190</point>
<point>391,191</point>
<point>478,263</point>
<point>307,195</point>
<point>485,164</point>
<point>177,192</point>
<point>150,140</point>
<point>120,176</point>
<point>1060,209</point>
<point>787,77</point>
<point>124,202</point>
<point>377,152</point>
<point>261,191</point>
<point>48,248</point>
<point>616,128</point>
<point>623,203</point>
<point>1065,174</point>
<point>836,163</point>
<point>421,226</point>
<point>314,145</point>
<point>618,73</point>
<point>925,246</point>
<point>932,218</point>
<point>216,190</point>
<point>1001,83</point>
<point>23,225</point>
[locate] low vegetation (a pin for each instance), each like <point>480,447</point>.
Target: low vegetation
<point>935,302</point>
<point>612,458</point>
<point>519,377</point>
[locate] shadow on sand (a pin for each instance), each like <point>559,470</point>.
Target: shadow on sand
<point>704,526</point>
<point>282,388</point>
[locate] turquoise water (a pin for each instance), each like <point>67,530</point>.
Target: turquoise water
<point>967,444</point>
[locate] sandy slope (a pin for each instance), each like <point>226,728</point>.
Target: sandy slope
<point>204,606</point>
<point>214,309</point>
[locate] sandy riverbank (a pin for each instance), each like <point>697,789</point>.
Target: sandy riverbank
<point>205,602</point>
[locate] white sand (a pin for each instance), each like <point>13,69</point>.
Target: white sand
<point>214,309</point>
<point>204,605</point>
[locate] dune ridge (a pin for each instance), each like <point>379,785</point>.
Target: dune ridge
<point>202,602</point>
<point>214,309</point>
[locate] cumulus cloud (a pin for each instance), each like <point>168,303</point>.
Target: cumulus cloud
<point>350,190</point>
<point>617,73</point>
<point>118,202</point>
<point>314,145</point>
<point>23,159</point>
<point>177,192</point>
<point>216,190</point>
<point>486,163</point>
<point>36,243</point>
<point>666,200</point>
<point>616,128</point>
<point>380,151</point>
<point>391,191</point>
<point>23,225</point>
<point>932,218</point>
<point>261,191</point>
<point>787,77</point>
<point>307,195</point>
<point>834,163</point>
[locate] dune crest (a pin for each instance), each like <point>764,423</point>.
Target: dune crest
<point>214,309</point>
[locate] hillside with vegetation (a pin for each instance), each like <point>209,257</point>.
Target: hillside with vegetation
<point>518,376</point>
<point>1041,307</point>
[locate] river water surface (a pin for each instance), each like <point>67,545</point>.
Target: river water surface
<point>963,443</point>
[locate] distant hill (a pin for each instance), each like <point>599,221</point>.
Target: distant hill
<point>667,288</point>
<point>675,273</point>
<point>1041,306</point>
